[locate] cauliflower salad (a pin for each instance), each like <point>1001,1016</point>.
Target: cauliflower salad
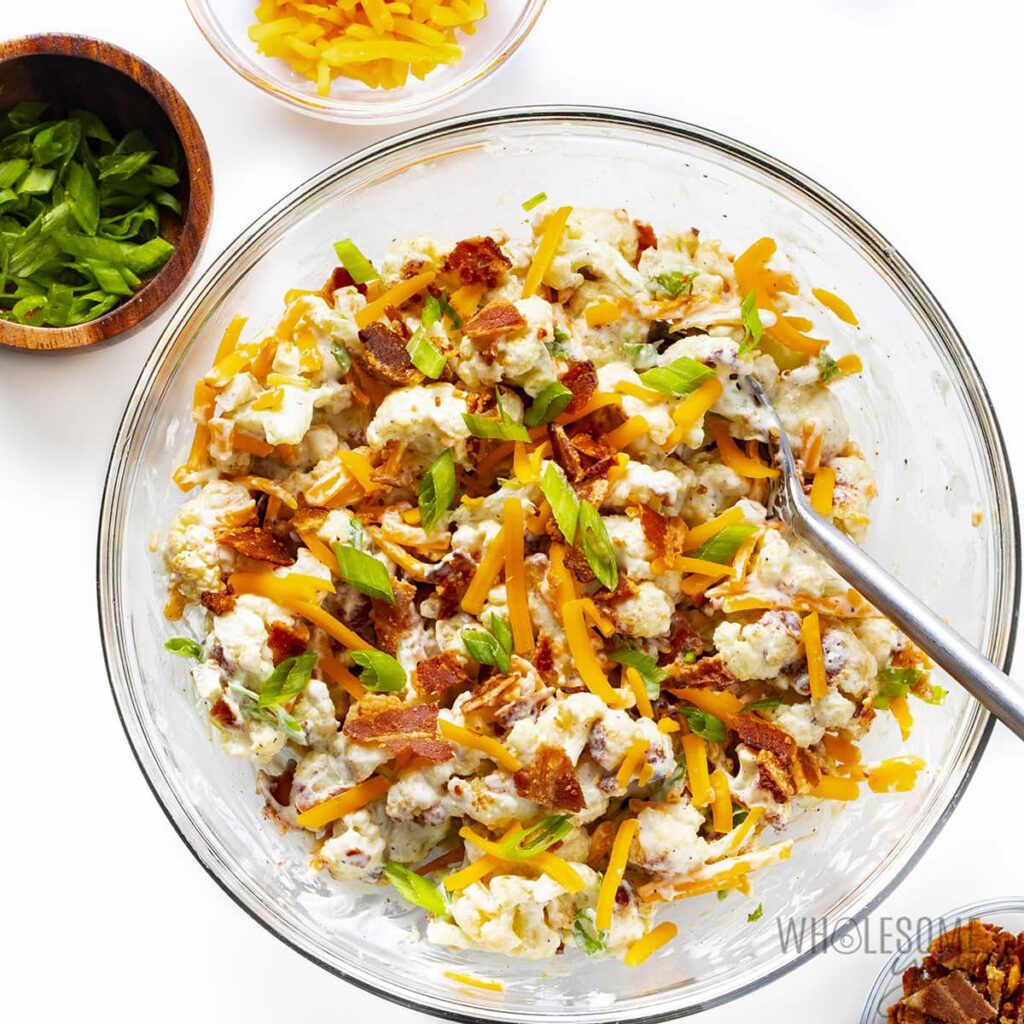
<point>477,567</point>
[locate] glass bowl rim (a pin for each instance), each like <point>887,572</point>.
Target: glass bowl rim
<point>402,108</point>
<point>914,290</point>
<point>976,909</point>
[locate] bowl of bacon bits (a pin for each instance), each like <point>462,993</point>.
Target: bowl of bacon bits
<point>366,61</point>
<point>966,967</point>
<point>445,600</point>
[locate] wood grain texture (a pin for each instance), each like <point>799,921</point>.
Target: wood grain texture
<point>70,71</point>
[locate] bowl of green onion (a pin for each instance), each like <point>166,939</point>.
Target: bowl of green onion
<point>105,191</point>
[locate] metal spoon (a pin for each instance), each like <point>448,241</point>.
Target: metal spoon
<point>975,673</point>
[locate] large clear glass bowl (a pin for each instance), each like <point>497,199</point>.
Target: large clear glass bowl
<point>225,24</point>
<point>920,413</point>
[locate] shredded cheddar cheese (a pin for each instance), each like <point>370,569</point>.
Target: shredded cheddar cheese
<point>486,573</point>
<point>644,947</point>
<point>607,311</point>
<point>545,251</point>
<point>730,454</point>
<point>396,296</point>
<point>900,708</point>
<point>468,979</point>
<point>721,803</point>
<point>832,787</point>
<point>895,775</point>
<point>696,753</point>
<point>335,807</point>
<point>515,577</point>
<point>630,763</point>
<point>551,864</point>
<point>836,304</point>
<point>643,702</point>
<point>697,535</point>
<point>822,491</point>
<point>472,873</point>
<point>617,860</point>
<point>687,414</point>
<point>486,745</point>
<point>584,658</point>
<point>635,427</point>
<point>810,631</point>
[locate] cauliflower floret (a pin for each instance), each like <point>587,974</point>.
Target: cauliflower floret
<point>850,666</point>
<point>759,649</point>
<point>611,738</point>
<point>647,613</point>
<point>356,848</point>
<point>658,415</point>
<point>808,722</point>
<point>792,568</point>
<point>491,800</point>
<point>413,256</point>
<point>422,795</point>
<point>642,485</point>
<point>683,254</point>
<point>191,552</point>
<point>880,637</point>
<point>314,710</point>
<point>854,491</point>
<point>604,242</point>
<point>428,418</point>
<point>667,839</point>
<point>715,488</point>
<point>565,724</point>
<point>343,764</point>
<point>242,635</point>
<point>814,404</point>
<point>410,841</point>
<point>632,552</point>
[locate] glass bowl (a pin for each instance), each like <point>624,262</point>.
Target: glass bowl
<point>920,413</point>
<point>1006,913</point>
<point>225,25</point>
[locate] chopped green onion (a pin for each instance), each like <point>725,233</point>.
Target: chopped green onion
<point>704,724</point>
<point>589,939</point>
<point>415,889</point>
<point>486,649</point>
<point>364,573</point>
<point>449,311</point>
<point>425,355</point>
<point>675,282</point>
<point>645,664</point>
<point>679,378</point>
<point>290,678</point>
<point>936,695</point>
<point>640,354</point>
<point>551,402</point>
<point>827,367</point>
<point>534,201</point>
<point>248,704</point>
<point>537,838</point>
<point>502,631</point>
<point>597,546</point>
<point>432,312</point>
<point>494,430</point>
<point>751,321</point>
<point>739,815</point>
<point>184,648</point>
<point>557,346</point>
<point>893,683</point>
<point>342,357</point>
<point>562,497</point>
<point>767,704</point>
<point>755,915</point>
<point>356,532</point>
<point>437,490</point>
<point>723,546</point>
<point>381,673</point>
<point>360,269</point>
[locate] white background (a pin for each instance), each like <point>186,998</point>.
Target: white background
<point>907,109</point>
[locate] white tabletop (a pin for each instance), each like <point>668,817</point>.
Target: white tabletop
<point>907,109</point>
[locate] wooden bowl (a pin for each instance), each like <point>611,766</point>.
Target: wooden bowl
<point>68,72</point>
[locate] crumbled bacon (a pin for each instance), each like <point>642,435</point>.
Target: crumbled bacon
<point>951,999</point>
<point>393,621</point>
<point>773,775</point>
<point>221,712</point>
<point>645,239</point>
<point>551,781</point>
<point>756,732</point>
<point>386,356</point>
<point>254,542</point>
<point>478,261</point>
<point>544,658</point>
<point>450,580</point>
<point>601,840</point>
<point>704,673</point>
<point>581,380</point>
<point>307,519</point>
<point>281,785</point>
<point>564,452</point>
<point>388,722</point>
<point>492,321</point>
<point>576,563</point>
<point>436,676</point>
<point>287,641</point>
<point>220,602</point>
<point>340,278</point>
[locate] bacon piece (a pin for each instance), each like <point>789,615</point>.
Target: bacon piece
<point>220,602</point>
<point>385,355</point>
<point>591,447</point>
<point>340,278</point>
<point>564,452</point>
<point>387,721</point>
<point>280,787</point>
<point>222,713</point>
<point>581,380</point>
<point>492,321</point>
<point>254,542</point>
<point>601,840</point>
<point>774,775</point>
<point>806,770</point>
<point>478,260</point>
<point>393,621</point>
<point>450,580</point>
<point>756,732</point>
<point>682,639</point>
<point>952,999</point>
<point>704,673</point>
<point>576,563</point>
<point>544,658</point>
<point>551,781</point>
<point>645,239</point>
<point>436,676</point>
<point>287,641</point>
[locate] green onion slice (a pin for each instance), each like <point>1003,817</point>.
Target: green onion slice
<point>290,678</point>
<point>537,838</point>
<point>679,378</point>
<point>644,663</point>
<point>437,490</point>
<point>551,402</point>
<point>502,631</point>
<point>381,673</point>
<point>534,201</point>
<point>562,497</point>
<point>486,649</point>
<point>597,546</point>
<point>425,355</point>
<point>184,647</point>
<point>364,572</point>
<point>893,683</point>
<point>359,267</point>
<point>766,704</point>
<point>827,367</point>
<point>415,889</point>
<point>723,546</point>
<point>675,282</point>
<point>751,321</point>
<point>703,724</point>
<point>342,357</point>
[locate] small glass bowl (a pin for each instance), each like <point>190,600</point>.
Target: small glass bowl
<point>888,989</point>
<point>225,24</point>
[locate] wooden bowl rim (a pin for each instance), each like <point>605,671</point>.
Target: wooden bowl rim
<point>163,285</point>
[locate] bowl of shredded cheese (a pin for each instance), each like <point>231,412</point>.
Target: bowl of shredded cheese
<point>365,61</point>
<point>245,416</point>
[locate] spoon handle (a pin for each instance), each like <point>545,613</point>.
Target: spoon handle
<point>944,645</point>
